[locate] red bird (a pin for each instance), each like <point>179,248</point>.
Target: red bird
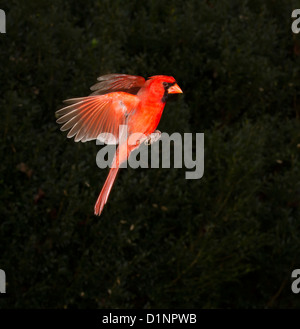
<point>118,99</point>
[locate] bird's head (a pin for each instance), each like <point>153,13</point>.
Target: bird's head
<point>162,85</point>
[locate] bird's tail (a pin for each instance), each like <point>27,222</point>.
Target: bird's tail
<point>103,196</point>
<point>121,155</point>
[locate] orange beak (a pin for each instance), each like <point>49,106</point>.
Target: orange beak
<point>175,89</point>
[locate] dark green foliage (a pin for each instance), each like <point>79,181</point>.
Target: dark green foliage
<point>228,240</point>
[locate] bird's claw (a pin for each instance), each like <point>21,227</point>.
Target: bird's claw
<point>152,138</point>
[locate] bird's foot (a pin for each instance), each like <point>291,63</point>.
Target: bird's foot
<point>152,138</point>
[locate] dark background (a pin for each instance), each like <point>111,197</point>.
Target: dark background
<point>228,240</point>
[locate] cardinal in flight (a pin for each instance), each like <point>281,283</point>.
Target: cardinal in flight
<point>118,100</point>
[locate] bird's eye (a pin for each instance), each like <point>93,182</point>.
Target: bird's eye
<point>165,84</point>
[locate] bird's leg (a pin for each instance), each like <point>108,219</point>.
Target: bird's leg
<point>152,138</point>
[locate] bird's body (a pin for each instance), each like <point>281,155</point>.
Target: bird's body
<point>118,99</point>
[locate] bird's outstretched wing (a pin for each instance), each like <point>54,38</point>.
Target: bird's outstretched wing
<point>87,117</point>
<point>118,82</point>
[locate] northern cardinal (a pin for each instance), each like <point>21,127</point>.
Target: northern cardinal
<point>118,99</point>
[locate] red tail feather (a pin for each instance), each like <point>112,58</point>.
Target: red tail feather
<point>103,196</point>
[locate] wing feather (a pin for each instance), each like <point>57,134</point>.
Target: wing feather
<point>87,117</point>
<point>118,82</point>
